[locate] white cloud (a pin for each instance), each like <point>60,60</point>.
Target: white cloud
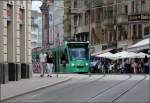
<point>36,5</point>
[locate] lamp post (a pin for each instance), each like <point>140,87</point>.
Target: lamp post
<point>58,63</point>
<point>90,35</point>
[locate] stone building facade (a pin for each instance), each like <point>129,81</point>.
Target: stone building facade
<point>36,26</point>
<point>15,39</point>
<point>53,22</point>
<point>111,24</point>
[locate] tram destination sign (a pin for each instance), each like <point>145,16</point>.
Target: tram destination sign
<point>77,45</point>
<point>138,17</point>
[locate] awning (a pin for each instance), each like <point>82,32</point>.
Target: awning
<point>142,55</point>
<point>107,55</point>
<point>143,44</point>
<point>101,52</point>
<point>125,54</point>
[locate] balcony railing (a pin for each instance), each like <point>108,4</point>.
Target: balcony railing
<point>109,21</point>
<point>122,18</point>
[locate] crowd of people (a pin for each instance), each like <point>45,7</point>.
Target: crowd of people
<point>121,66</point>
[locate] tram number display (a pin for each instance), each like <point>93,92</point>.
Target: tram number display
<point>75,45</point>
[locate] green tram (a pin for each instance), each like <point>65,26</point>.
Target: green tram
<point>77,54</point>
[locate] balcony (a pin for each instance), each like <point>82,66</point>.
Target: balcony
<point>108,1</point>
<point>81,29</point>
<point>76,11</point>
<point>122,19</point>
<point>109,21</point>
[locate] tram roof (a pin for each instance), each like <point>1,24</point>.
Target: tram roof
<point>77,42</point>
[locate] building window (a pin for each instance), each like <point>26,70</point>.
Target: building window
<point>21,2</point>
<point>9,12</point>
<point>110,12</point>
<point>75,20</point>
<point>110,36</point>
<point>98,16</point>
<point>142,5</point>
<point>132,6</point>
<point>86,18</point>
<point>126,9</point>
<point>80,20</point>
<point>92,15</point>
<point>134,32</point>
<point>75,3</point>
<point>146,31</point>
<point>140,31</point>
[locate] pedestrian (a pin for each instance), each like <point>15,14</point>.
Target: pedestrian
<point>134,67</point>
<point>42,58</point>
<point>64,61</point>
<point>50,64</point>
<point>111,66</point>
<point>146,65</point>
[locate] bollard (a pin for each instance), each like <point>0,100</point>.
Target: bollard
<point>89,73</point>
<point>57,75</point>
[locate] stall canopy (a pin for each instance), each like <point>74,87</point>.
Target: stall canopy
<point>125,54</point>
<point>142,55</point>
<point>143,44</point>
<point>101,52</point>
<point>107,55</point>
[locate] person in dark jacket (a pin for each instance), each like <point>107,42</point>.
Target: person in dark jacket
<point>50,64</point>
<point>64,61</point>
<point>146,65</point>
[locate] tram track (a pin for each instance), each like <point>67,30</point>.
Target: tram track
<point>108,88</point>
<point>70,88</point>
<point>85,86</point>
<point>112,87</point>
<point>78,89</point>
<point>127,90</point>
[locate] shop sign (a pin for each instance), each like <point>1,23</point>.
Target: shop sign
<point>51,30</point>
<point>20,16</point>
<point>9,13</point>
<point>138,17</point>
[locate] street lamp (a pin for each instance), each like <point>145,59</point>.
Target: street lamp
<point>90,35</point>
<point>58,46</point>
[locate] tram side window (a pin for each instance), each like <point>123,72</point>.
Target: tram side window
<point>64,59</point>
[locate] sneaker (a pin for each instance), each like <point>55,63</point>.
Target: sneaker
<point>47,75</point>
<point>50,76</point>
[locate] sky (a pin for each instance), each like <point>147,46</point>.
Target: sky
<point>36,5</point>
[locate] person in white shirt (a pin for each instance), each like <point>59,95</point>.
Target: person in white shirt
<point>42,58</point>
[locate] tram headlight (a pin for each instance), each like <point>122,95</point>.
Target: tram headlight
<point>86,64</point>
<point>72,64</point>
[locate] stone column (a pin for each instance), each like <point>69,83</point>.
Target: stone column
<point>131,31</point>
<point>3,44</point>
<point>11,43</point>
<point>25,41</point>
<point>28,40</point>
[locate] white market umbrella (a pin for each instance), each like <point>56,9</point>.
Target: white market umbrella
<point>125,54</point>
<point>142,55</point>
<point>143,44</point>
<point>107,55</point>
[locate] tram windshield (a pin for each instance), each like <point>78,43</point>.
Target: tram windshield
<point>78,53</point>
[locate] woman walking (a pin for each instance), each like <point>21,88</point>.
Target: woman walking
<point>49,64</point>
